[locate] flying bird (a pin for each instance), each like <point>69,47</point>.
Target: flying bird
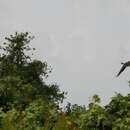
<point>126,64</point>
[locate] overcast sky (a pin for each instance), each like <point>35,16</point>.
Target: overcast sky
<point>83,40</point>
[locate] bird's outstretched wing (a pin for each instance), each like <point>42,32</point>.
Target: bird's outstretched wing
<point>122,69</point>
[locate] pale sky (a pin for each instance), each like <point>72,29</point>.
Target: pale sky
<point>83,40</point>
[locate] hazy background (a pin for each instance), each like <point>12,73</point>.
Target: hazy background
<point>83,40</point>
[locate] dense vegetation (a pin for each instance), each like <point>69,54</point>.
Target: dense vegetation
<point>28,103</point>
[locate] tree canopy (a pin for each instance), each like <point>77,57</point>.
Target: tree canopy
<point>21,77</point>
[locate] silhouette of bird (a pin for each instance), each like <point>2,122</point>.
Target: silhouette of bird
<point>126,64</point>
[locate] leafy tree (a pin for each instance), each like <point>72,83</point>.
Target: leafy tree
<point>118,110</point>
<point>95,118</point>
<point>21,77</point>
<point>73,112</point>
<point>34,117</point>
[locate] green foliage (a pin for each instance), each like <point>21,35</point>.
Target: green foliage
<point>7,125</point>
<point>24,96</point>
<point>122,123</point>
<point>95,117</point>
<point>62,123</point>
<point>96,99</point>
<point>118,110</point>
<point>73,112</point>
<point>21,78</point>
<point>2,116</point>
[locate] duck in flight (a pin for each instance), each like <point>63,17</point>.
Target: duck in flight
<point>124,65</point>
